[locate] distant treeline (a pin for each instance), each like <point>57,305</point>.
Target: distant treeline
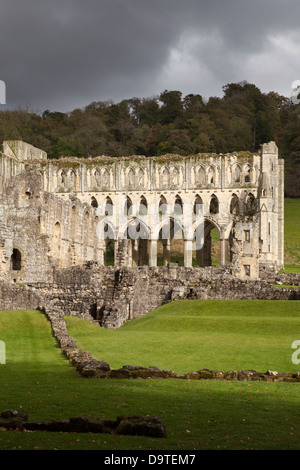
<point>242,119</point>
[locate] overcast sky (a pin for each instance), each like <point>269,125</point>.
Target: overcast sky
<point>64,54</point>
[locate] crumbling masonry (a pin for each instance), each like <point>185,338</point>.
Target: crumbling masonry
<point>52,212</point>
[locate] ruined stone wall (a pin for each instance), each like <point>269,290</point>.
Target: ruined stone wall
<point>111,297</point>
<point>39,231</point>
<point>53,211</point>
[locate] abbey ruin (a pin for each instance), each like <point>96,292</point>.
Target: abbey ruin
<point>66,228</point>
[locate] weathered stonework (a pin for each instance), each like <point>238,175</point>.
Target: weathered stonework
<point>51,210</point>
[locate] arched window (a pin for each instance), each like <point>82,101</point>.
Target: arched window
<point>211,175</point>
<point>247,173</point>
<point>250,205</point>
<point>140,177</point>
<point>165,178</point>
<point>198,204</point>
<point>72,179</point>
<point>16,260</point>
<point>234,205</point>
<point>201,175</point>
<point>128,206</point>
<point>175,177</point>
<point>236,174</point>
<point>214,205</point>
<point>143,208</point>
<point>108,206</point>
<point>62,178</point>
<point>96,178</point>
<point>163,206</point>
<point>178,206</point>
<point>94,202</point>
<point>130,177</point>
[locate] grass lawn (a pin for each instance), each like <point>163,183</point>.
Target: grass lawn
<point>188,335</point>
<point>198,414</point>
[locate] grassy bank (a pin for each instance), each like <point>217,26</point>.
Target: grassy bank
<point>198,414</point>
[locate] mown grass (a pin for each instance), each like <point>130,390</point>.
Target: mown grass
<point>198,414</point>
<point>188,335</point>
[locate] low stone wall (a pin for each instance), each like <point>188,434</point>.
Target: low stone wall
<point>89,367</point>
<point>136,425</point>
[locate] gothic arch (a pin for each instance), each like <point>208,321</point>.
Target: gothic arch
<point>140,177</point>
<point>236,173</point>
<point>94,202</point>
<point>198,205</point>
<point>247,173</point>
<point>165,177</point>
<point>143,206</point>
<point>200,176</point>
<point>72,178</point>
<point>130,177</point>
<point>105,178</point>
<point>234,206</point>
<point>211,175</point>
<point>250,206</point>
<point>108,206</point>
<point>214,205</point>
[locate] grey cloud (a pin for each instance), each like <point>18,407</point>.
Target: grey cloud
<point>62,54</point>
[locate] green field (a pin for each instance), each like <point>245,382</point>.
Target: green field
<point>189,335</point>
<point>198,414</point>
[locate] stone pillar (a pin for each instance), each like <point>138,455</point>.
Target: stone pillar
<point>188,253</point>
<point>200,257</point>
<point>153,253</point>
<point>223,251</point>
<point>207,251</point>
<point>135,252</point>
<point>166,251</point>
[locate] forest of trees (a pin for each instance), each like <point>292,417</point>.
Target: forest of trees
<point>242,119</point>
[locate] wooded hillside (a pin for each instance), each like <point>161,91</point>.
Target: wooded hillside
<point>242,119</point>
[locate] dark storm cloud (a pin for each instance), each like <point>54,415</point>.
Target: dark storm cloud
<point>62,54</point>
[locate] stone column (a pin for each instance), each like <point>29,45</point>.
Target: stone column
<point>135,252</point>
<point>207,251</point>
<point>200,257</point>
<point>166,251</point>
<point>223,251</point>
<point>188,253</point>
<point>153,253</point>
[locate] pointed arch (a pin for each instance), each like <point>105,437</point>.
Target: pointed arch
<point>201,175</point>
<point>130,177</point>
<point>108,206</point>
<point>214,205</point>
<point>250,207</point>
<point>165,177</point>
<point>211,175</point>
<point>163,205</point>
<point>236,173</point>
<point>247,173</point>
<point>178,205</point>
<point>198,205</point>
<point>140,177</point>
<point>94,202</point>
<point>234,208</point>
<point>143,206</point>
<point>128,206</point>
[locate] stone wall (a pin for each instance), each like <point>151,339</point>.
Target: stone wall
<point>110,297</point>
